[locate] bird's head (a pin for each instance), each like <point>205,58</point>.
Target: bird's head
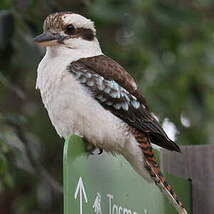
<point>68,30</point>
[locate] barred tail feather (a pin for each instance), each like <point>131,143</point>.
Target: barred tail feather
<point>152,167</point>
<point>165,187</point>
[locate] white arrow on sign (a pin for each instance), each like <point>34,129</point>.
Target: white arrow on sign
<point>81,190</point>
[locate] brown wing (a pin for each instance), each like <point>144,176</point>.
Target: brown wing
<point>118,94</point>
<point>110,69</point>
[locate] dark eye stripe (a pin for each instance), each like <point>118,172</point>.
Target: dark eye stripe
<point>86,34</point>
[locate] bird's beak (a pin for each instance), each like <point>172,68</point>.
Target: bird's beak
<point>49,39</point>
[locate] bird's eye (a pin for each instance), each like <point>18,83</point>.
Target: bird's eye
<point>70,30</point>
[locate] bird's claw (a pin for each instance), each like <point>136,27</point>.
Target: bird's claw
<point>100,151</point>
<point>90,148</point>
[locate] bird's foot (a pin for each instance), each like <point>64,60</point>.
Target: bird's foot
<point>100,151</point>
<point>91,149</point>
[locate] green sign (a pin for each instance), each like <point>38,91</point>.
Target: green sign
<point>107,184</point>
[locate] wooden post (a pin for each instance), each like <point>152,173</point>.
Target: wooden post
<point>195,163</point>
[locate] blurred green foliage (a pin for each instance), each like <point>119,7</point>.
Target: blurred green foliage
<point>167,45</point>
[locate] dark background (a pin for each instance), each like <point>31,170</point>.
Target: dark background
<point>167,45</point>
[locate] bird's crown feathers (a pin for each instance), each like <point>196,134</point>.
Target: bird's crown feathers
<point>58,22</point>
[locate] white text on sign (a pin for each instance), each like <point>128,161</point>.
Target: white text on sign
<point>117,209</point>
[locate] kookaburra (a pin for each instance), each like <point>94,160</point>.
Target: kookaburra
<point>89,94</point>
